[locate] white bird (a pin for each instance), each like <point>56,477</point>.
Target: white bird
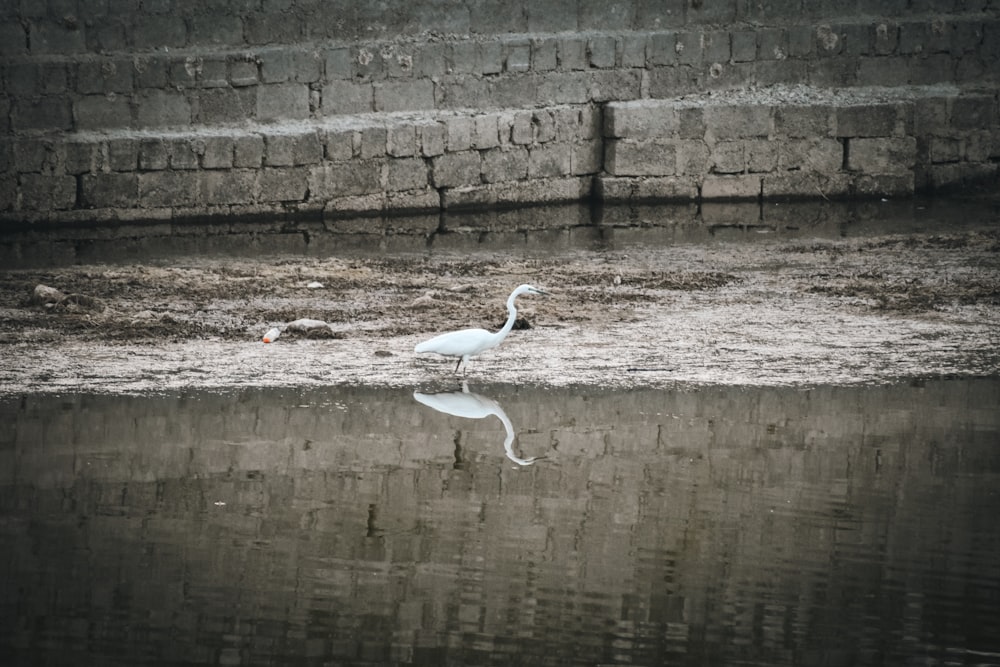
<point>467,343</point>
<point>475,406</point>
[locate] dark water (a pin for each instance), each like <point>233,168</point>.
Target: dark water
<point>355,526</point>
<point>536,230</point>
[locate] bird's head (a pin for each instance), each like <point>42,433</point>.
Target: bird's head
<point>530,289</point>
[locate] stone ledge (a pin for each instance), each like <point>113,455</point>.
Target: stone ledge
<point>743,145</point>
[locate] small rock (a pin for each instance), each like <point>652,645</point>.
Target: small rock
<point>424,301</point>
<point>44,294</point>
<point>315,285</point>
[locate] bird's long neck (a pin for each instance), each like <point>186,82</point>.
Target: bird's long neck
<point>509,324</point>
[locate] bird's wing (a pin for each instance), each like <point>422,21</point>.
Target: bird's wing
<point>457,343</point>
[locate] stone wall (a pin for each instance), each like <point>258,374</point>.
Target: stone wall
<point>120,110</point>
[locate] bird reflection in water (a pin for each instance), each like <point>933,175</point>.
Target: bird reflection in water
<point>474,406</point>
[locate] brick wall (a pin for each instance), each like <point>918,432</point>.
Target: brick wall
<point>177,109</point>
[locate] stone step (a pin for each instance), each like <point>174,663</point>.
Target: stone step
<point>798,141</point>
<point>779,142</point>
<point>134,86</point>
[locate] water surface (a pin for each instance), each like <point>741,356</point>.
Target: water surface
<point>503,526</point>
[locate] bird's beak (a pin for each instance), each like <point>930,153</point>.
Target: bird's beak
<point>541,291</point>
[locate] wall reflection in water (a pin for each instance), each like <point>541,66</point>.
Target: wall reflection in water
<point>356,526</point>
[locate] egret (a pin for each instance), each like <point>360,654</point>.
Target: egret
<point>467,343</point>
<point>475,406</point>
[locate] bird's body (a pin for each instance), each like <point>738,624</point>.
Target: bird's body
<point>468,343</point>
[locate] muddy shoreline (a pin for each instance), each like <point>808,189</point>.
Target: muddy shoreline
<point>769,306</point>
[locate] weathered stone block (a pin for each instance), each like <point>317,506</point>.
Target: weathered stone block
<point>373,141</point>
<point>649,188</point>
<point>974,112</point>
<point>151,71</point>
<point>454,169</point>
<point>601,51</point>
<point>632,50</point>
<point>624,157</point>
<point>34,155</point>
<point>292,149</point>
<point>109,190</point>
<point>544,55</point>
<point>407,174</point>
<point>47,192</point>
<point>744,186</point>
<point>572,53</point>
<point>215,28</point>
<point>692,158</point>
<point>339,144</point>
<point>930,115</point>
<point>432,139</point>
<point>401,140</point>
<point>168,189</point>
<point>214,73</point>
<point>460,131</point>
<point>183,153</point>
<point>13,39</point>
<point>738,121</point>
<point>486,130</point>
<point>661,49</point>
<point>102,111</point>
<point>153,155</point>
<point>56,37</point>
<point>761,155</point>
<point>244,72</point>
<point>521,130</point>
<point>8,191</point>
<point>414,201</point>
<point>223,105</point>
<point>248,151</point>
<point>286,184</point>
<point>728,157</point>
<point>819,155</point>
<point>550,160</point>
<point>347,97</point>
<point>505,164</point>
<point>586,158</point>
<point>804,121</point>
<point>689,47</point>
<point>123,154</point>
<point>640,120</point>
<point>103,76</point>
<point>337,64</point>
<point>869,120</point>
<point>218,153</point>
<point>944,149</point>
<point>42,113</point>
<point>81,157</point>
<point>490,57</point>
<point>881,155</point>
<point>404,95</point>
<point>744,46</point>
<point>282,101</point>
<point>359,177</point>
<point>429,61</point>
<point>228,187</point>
<point>161,108</point>
<point>518,57</point>
<point>563,88</point>
<point>276,65</point>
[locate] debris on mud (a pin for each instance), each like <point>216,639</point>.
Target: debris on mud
<point>783,309</point>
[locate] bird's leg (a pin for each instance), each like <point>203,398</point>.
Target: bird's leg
<point>457,365</point>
